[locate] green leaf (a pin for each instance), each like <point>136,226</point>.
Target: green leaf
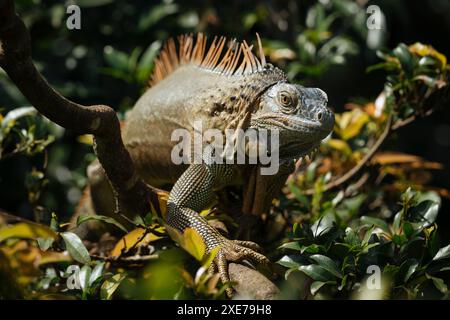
<point>315,286</point>
<point>438,283</point>
<point>155,14</point>
<point>443,253</point>
<point>12,116</point>
<point>397,221</point>
<point>76,248</point>
<point>294,245</point>
<point>351,237</point>
<point>372,221</point>
<point>408,229</point>
<point>316,272</point>
<point>312,248</point>
<point>399,239</point>
<point>83,277</point>
<point>96,272</point>
<point>405,57</point>
<point>117,59</point>
<point>367,236</point>
<point>146,61</point>
<point>343,282</point>
<point>83,218</point>
<point>288,262</point>
<point>328,264</point>
<point>54,224</point>
<point>425,213</point>
<point>45,243</point>
<point>407,269</point>
<point>110,286</point>
<point>433,244</point>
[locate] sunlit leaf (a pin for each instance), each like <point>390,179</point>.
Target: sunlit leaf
<point>443,253</point>
<point>26,230</point>
<point>316,272</point>
<point>135,238</point>
<point>427,50</point>
<point>110,286</point>
<point>45,243</point>
<point>288,262</point>
<point>372,221</point>
<point>96,272</point>
<point>84,276</point>
<point>316,285</point>
<point>194,243</point>
<point>76,248</point>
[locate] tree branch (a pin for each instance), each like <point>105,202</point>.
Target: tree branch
<point>431,104</point>
<point>98,120</point>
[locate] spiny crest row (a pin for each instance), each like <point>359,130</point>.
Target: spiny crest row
<point>237,60</point>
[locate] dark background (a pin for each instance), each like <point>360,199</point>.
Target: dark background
<point>78,64</point>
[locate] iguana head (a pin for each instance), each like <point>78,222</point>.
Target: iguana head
<point>300,115</point>
<point>241,91</point>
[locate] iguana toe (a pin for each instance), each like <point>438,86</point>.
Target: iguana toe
<point>233,251</point>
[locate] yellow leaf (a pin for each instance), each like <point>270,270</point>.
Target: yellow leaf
<point>110,286</point>
<point>387,158</point>
<point>86,139</point>
<point>48,257</point>
<point>208,258</point>
<point>425,50</point>
<point>176,235</point>
<point>162,201</point>
<point>27,230</point>
<point>131,238</point>
<point>349,124</point>
<point>193,243</point>
<point>340,145</point>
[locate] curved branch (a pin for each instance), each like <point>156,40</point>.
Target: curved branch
<point>99,120</point>
<point>431,103</point>
<point>353,171</point>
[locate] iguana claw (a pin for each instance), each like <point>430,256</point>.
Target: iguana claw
<point>233,251</point>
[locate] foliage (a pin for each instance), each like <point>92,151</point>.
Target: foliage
<point>337,256</point>
<point>324,239</point>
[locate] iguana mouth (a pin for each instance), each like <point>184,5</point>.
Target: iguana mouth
<point>300,151</point>
<point>291,122</point>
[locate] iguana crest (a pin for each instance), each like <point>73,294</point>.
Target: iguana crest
<point>237,60</point>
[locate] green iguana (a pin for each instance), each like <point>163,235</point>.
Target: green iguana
<point>225,86</point>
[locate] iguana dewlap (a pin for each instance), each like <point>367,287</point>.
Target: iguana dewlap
<point>225,86</point>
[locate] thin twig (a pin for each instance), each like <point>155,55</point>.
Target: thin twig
<point>353,171</point>
<point>131,259</point>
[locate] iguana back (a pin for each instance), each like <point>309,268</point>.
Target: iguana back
<point>193,85</point>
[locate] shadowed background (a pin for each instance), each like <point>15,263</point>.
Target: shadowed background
<point>110,58</point>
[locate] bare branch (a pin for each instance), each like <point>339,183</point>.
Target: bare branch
<point>432,102</point>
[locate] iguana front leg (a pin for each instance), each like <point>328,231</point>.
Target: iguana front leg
<point>192,192</point>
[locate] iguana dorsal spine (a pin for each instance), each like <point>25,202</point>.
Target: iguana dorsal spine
<point>237,60</point>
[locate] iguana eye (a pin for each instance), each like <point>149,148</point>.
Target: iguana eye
<point>287,101</point>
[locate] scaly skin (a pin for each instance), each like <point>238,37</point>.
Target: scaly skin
<point>256,95</point>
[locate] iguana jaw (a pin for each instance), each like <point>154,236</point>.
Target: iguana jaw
<point>299,152</point>
<point>312,130</point>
